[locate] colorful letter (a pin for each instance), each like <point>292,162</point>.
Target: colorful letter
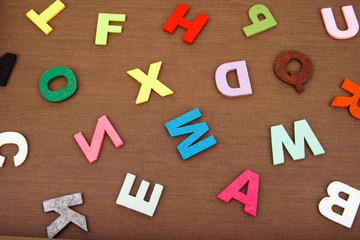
<point>20,141</point>
<point>138,203</point>
<point>257,25</point>
<point>302,132</point>
<point>193,28</point>
<point>6,64</point>
<point>42,19</point>
<point>60,95</point>
<point>92,152</point>
<point>291,77</point>
<point>188,147</point>
<point>233,191</point>
<point>351,22</point>
<point>149,82</point>
<point>350,205</point>
<point>351,102</point>
<point>103,27</point>
<point>61,206</point>
<point>242,75</point>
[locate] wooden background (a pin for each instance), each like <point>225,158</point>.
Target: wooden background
<point>289,194</point>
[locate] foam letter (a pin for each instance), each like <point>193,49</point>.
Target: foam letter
<point>138,203</point>
<point>257,25</point>
<point>149,82</point>
<point>291,77</point>
<point>233,191</point>
<point>188,147</point>
<point>103,27</point>
<point>92,152</point>
<point>302,132</point>
<point>193,28</point>
<point>20,141</point>
<point>351,22</point>
<point>60,95</point>
<point>351,102</point>
<point>42,19</point>
<point>6,64</point>
<point>61,206</point>
<point>350,205</point>
<point>243,79</point>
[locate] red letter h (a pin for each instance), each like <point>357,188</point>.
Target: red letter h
<point>193,28</point>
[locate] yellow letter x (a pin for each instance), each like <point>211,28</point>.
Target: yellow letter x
<point>149,82</point>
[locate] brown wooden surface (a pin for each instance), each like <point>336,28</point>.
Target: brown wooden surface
<point>289,194</point>
<point>2,237</point>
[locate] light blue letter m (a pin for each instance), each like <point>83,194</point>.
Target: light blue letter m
<point>302,132</point>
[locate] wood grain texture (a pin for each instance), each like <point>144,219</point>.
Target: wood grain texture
<point>289,194</point>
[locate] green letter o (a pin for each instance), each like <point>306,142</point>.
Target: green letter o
<point>60,95</point>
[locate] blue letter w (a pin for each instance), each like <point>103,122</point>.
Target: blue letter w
<point>187,148</point>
